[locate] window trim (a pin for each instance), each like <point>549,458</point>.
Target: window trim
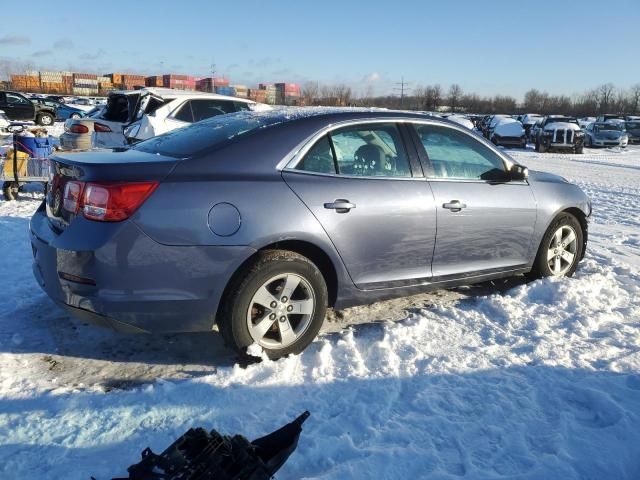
<point>426,162</point>
<point>179,108</point>
<point>293,159</point>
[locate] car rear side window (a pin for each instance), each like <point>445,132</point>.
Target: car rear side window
<point>371,150</point>
<point>457,155</point>
<point>319,158</point>
<point>203,108</point>
<point>184,114</point>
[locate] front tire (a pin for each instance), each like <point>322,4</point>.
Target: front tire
<point>560,249</point>
<point>279,302</point>
<point>75,116</point>
<point>45,119</point>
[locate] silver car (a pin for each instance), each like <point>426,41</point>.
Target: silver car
<point>606,134</point>
<point>257,222</point>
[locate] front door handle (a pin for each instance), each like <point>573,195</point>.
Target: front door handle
<point>454,205</point>
<point>340,205</point>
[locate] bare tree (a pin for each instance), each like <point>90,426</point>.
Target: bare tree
<point>310,92</point>
<point>605,95</point>
<point>455,93</point>
<point>634,98</point>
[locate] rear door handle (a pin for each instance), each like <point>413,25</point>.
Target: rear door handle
<point>340,205</point>
<point>454,205</point>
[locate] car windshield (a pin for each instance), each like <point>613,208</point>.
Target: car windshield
<point>601,127</point>
<point>632,125</point>
<point>195,138</point>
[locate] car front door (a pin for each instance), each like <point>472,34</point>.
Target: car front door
<point>485,220</point>
<point>369,194</point>
<point>18,107</point>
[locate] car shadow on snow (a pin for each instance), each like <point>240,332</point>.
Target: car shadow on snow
<point>527,422</point>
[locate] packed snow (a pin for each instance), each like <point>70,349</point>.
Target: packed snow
<point>535,380</point>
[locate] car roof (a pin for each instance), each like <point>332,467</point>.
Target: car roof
<point>281,114</point>
<point>170,92</point>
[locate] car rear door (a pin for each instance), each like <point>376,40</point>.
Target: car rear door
<point>367,191</point>
<point>485,221</point>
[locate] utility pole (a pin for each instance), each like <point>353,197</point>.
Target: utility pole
<point>213,74</point>
<point>402,88</point>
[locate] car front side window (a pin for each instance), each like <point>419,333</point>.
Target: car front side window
<point>456,155</point>
<point>16,100</point>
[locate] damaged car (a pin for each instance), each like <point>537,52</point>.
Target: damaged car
<point>559,132</point>
<point>131,116</point>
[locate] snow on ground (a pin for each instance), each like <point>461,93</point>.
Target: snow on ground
<point>529,381</point>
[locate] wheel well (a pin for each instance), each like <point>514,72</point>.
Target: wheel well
<point>306,249</point>
<point>317,256</point>
<point>582,218</point>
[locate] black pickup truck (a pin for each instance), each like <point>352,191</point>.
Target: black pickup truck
<point>18,107</point>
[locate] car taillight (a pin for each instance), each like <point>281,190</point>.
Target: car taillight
<point>78,128</point>
<point>99,127</point>
<point>72,194</point>
<point>116,201</point>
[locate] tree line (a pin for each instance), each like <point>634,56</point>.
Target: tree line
<point>606,98</point>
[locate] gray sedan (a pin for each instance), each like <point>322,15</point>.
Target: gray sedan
<point>258,222</point>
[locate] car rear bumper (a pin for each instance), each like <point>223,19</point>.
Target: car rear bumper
<point>128,281</point>
<point>75,141</point>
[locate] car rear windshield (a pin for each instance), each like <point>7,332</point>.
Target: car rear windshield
<point>200,136</point>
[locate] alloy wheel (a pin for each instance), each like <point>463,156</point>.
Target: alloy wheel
<point>281,311</point>
<point>562,250</point>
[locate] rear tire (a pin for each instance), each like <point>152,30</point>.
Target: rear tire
<point>540,147</point>
<point>561,248</point>
<point>262,299</point>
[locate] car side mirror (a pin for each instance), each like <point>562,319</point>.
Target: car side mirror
<point>519,172</point>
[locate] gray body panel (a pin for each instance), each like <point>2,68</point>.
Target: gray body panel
<point>495,230</point>
<point>166,269</point>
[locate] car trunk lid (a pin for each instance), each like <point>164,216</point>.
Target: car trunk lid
<point>101,167</point>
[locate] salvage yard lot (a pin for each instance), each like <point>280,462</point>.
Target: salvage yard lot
<point>537,380</point>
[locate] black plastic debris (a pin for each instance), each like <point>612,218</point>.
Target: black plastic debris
<point>203,455</point>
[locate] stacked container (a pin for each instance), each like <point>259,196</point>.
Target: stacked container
<point>287,93</point>
<point>229,91</point>
<point>241,91</point>
<point>181,82</point>
<point>25,83</point>
<point>105,84</point>
<point>85,84</point>
<point>52,82</point>
<point>270,90</point>
<point>132,82</point>
<point>116,79</point>
<point>258,95</point>
<point>154,81</point>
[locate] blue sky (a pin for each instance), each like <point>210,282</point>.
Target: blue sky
<point>490,47</point>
